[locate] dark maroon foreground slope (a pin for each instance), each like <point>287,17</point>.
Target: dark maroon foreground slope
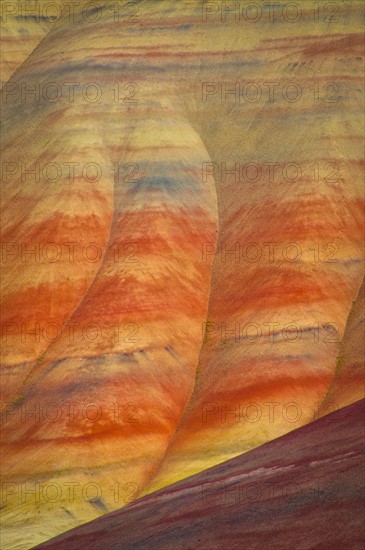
<point>304,490</point>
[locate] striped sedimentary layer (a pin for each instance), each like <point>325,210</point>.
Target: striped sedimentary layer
<point>22,28</point>
<point>289,259</point>
<point>147,305</point>
<point>130,318</point>
<point>311,478</point>
<point>347,385</point>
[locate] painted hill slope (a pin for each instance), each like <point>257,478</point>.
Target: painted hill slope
<point>304,490</point>
<point>152,351</point>
<point>348,384</point>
